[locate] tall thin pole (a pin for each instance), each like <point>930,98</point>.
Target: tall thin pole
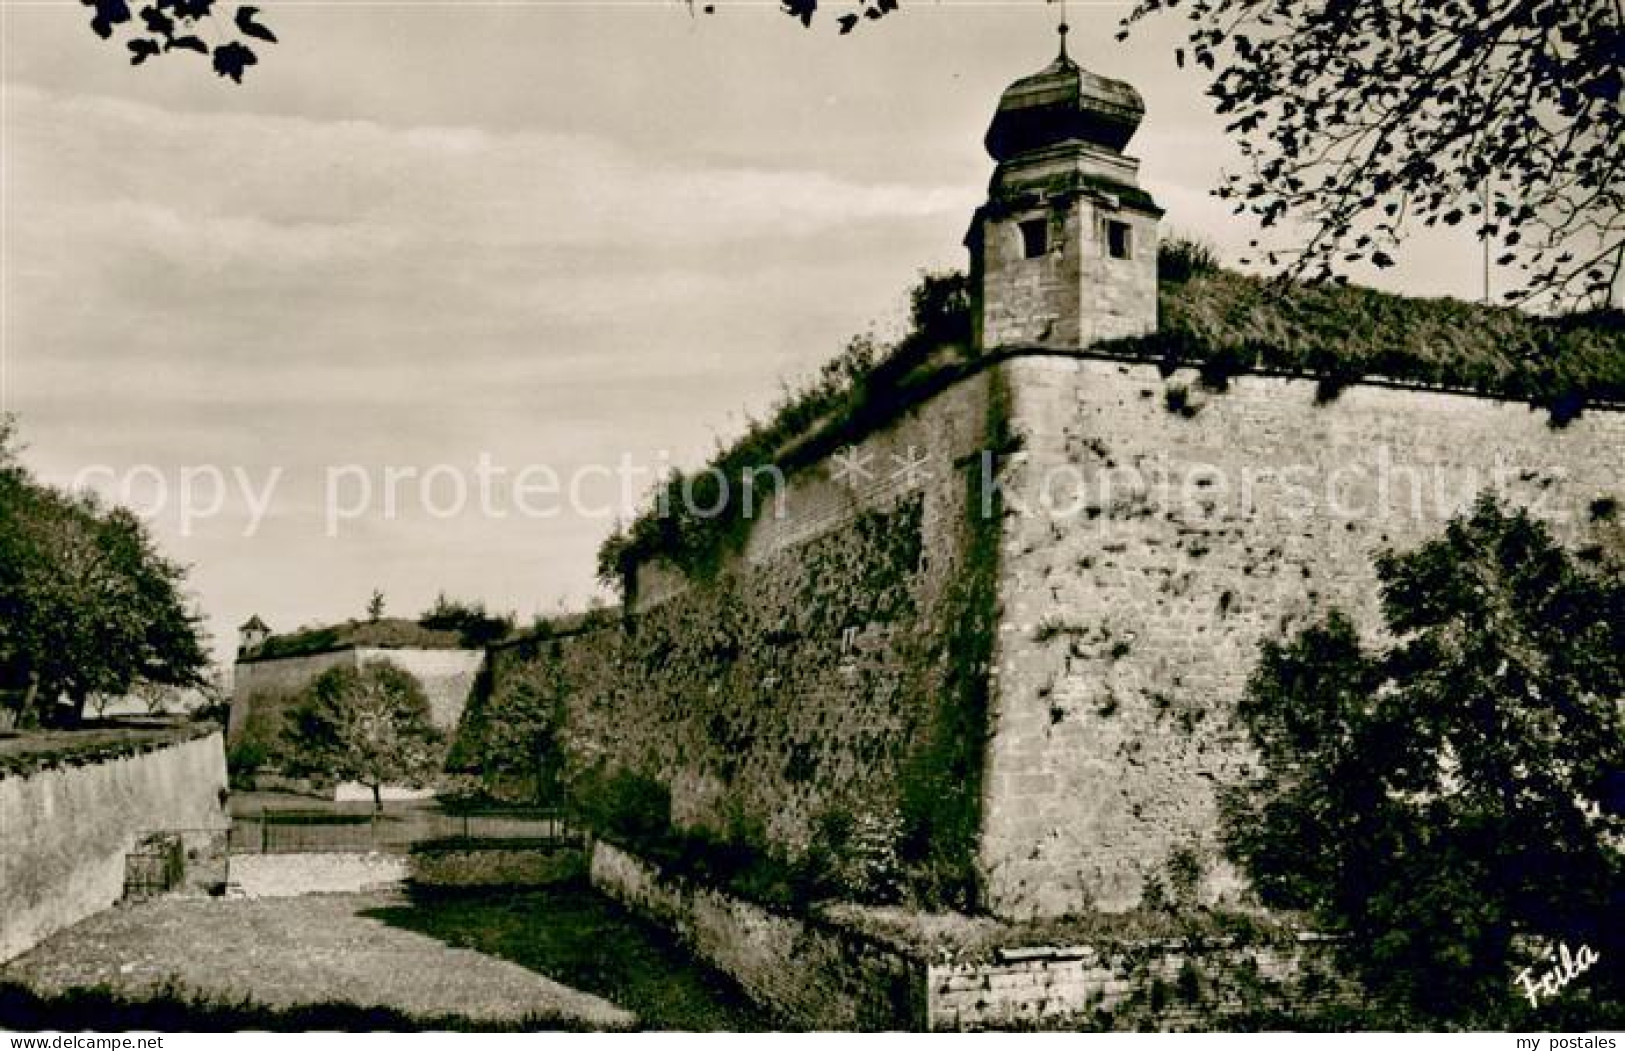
<point>1486,239</point>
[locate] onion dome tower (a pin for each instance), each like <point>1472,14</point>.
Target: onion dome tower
<point>1064,252</point>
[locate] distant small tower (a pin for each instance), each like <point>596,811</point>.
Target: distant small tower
<point>252,635</point>
<point>1064,252</point>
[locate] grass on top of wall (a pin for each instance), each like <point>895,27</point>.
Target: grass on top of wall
<point>1228,323</point>
<point>1222,322</point>
<point>25,752</point>
<point>385,633</point>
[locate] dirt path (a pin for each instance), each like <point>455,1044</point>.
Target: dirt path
<point>291,952</point>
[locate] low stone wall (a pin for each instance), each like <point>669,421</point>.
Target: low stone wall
<point>1149,554</point>
<point>828,973</point>
<point>1170,986</point>
<point>811,975</point>
<point>447,677</point>
<point>290,875</point>
<point>68,829</point>
<point>496,867</point>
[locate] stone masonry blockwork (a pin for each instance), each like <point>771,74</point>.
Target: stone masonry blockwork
<point>1143,554</point>
<point>1146,555</point>
<point>809,674</point>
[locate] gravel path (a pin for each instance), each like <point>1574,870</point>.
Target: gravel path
<point>292,951</point>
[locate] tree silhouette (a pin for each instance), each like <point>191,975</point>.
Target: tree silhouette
<point>1367,120</point>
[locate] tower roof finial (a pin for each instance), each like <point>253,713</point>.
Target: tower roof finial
<point>1061,103</point>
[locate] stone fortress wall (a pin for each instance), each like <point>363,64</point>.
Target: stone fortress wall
<point>816,669</point>
<point>1142,556</point>
<point>1034,643</point>
<point>1156,551</point>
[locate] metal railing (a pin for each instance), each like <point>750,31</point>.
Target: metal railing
<point>288,831</point>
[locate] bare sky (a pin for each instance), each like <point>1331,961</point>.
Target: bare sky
<point>541,233</point>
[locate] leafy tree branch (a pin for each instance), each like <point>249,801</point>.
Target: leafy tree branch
<point>169,26</point>
<point>1366,120</point>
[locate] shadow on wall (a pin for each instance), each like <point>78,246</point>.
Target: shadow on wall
<point>573,935</point>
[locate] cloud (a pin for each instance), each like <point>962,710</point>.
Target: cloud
<point>265,238</point>
<point>313,256</point>
<point>557,234</point>
<point>285,291</point>
<point>306,180</point>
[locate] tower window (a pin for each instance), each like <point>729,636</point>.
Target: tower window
<point>1034,237</point>
<point>1119,240</point>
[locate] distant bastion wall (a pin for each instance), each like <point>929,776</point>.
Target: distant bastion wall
<point>1032,646</point>
<point>264,687</point>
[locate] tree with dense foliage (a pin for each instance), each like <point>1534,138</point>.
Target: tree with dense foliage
<point>87,604</point>
<point>1367,120</point>
<point>516,733</point>
<point>1450,801</point>
<point>370,725</point>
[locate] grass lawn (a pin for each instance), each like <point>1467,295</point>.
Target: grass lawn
<point>573,934</point>
<point>561,957</point>
<point>286,963</point>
